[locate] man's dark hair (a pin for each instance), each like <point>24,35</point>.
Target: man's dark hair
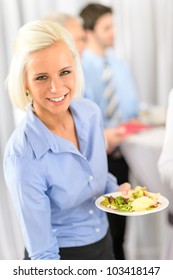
<point>91,13</point>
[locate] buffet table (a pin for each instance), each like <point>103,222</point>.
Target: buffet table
<point>146,234</point>
<point>142,151</point>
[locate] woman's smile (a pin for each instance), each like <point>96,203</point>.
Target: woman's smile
<point>58,100</point>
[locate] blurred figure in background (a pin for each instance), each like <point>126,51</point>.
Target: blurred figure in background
<point>74,25</point>
<point>109,83</point>
<point>165,166</point>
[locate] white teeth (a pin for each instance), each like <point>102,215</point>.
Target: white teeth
<point>57,99</point>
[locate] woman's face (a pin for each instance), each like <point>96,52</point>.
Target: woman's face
<point>51,80</point>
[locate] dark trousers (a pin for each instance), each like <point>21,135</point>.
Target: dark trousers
<point>26,256</point>
<point>119,168</point>
<point>100,250</point>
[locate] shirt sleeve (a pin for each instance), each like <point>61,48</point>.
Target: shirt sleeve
<point>27,186</point>
<point>165,163</point>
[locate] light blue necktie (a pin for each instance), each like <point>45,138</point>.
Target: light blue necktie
<point>112,104</point>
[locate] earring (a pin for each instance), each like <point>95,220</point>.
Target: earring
<point>27,92</point>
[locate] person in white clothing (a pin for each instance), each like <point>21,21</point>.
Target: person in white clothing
<point>165,166</point>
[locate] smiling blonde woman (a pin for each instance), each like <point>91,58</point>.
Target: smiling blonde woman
<point>55,161</point>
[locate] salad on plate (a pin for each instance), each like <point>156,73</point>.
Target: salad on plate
<point>137,199</point>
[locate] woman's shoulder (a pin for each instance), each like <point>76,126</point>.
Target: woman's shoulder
<point>17,144</point>
<point>86,106</point>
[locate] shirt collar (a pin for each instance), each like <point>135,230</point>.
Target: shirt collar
<point>39,136</point>
<point>42,139</point>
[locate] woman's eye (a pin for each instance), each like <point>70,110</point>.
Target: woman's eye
<point>41,78</point>
<point>65,72</point>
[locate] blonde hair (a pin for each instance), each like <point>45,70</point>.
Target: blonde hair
<point>31,37</point>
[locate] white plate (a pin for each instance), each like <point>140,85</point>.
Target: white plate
<point>163,204</point>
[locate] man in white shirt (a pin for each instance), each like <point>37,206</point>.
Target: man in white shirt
<point>165,166</point>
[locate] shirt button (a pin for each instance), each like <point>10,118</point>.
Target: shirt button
<point>90,178</point>
<point>91,211</point>
<point>97,230</point>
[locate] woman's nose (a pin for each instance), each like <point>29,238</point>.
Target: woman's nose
<point>55,85</point>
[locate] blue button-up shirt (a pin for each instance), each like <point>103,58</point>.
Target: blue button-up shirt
<point>125,89</point>
<point>54,185</point>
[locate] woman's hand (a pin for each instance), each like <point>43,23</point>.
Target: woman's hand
<point>124,188</point>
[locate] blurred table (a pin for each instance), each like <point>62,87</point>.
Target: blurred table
<point>142,151</point>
